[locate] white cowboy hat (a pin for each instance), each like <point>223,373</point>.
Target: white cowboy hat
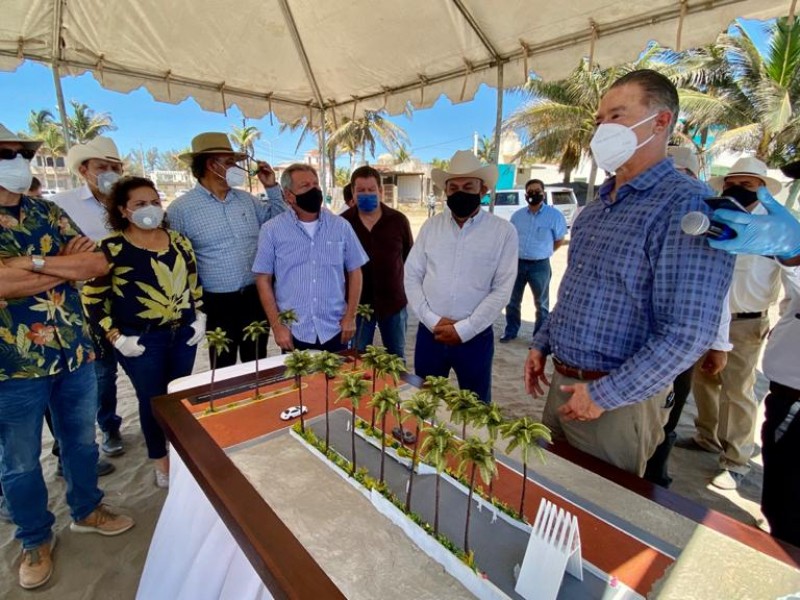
<point>684,158</point>
<point>747,165</point>
<point>465,164</point>
<point>211,142</point>
<point>102,148</point>
<point>7,136</point>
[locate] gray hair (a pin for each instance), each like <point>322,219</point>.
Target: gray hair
<point>286,176</point>
<point>659,91</point>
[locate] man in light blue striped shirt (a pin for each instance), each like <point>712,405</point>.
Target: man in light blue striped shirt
<point>308,250</point>
<point>458,277</point>
<point>222,223</point>
<point>541,230</point>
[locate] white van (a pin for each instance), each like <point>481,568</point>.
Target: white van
<point>507,202</point>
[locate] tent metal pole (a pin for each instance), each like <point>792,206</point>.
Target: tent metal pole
<point>61,107</point>
<point>498,124</point>
<point>323,155</point>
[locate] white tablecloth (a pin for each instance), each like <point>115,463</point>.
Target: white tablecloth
<point>192,555</point>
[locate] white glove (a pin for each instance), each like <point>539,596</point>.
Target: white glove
<point>129,346</point>
<point>199,327</point>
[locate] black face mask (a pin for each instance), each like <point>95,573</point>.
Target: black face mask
<point>534,198</point>
<point>741,194</point>
<point>463,204</point>
<point>310,201</point>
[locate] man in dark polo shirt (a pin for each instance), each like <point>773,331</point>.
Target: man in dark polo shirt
<point>385,235</point>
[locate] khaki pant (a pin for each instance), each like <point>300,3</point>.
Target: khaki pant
<point>726,404</point>
<point>625,437</point>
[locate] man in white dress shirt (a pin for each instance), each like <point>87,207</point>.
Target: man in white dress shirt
<point>726,403</point>
<point>99,164</point>
<point>459,276</point>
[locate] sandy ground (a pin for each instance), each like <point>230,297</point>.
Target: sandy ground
<point>92,567</point>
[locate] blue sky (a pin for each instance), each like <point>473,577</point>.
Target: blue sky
<point>141,121</point>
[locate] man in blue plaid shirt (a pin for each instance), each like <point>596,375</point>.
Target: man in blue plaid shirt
<point>640,300</point>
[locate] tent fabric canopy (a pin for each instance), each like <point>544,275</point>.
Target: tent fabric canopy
<point>294,58</point>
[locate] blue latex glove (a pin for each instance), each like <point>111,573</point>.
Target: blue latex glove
<point>773,234</point>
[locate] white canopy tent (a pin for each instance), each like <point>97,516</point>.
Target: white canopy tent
<point>305,58</point>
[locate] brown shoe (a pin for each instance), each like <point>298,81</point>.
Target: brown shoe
<point>37,565</point>
<point>104,521</point>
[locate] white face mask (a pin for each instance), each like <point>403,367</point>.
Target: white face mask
<point>148,217</point>
<point>105,181</point>
<point>15,175</point>
<point>234,176</point>
<point>613,144</point>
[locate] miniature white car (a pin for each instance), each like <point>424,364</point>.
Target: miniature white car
<point>292,413</point>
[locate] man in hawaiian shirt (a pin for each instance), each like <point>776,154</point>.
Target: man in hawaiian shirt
<point>45,360</point>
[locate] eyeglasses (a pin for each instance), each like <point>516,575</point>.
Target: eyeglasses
<point>9,154</point>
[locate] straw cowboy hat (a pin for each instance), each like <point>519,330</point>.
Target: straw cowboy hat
<point>7,136</point>
<point>465,164</point>
<point>684,158</point>
<point>210,142</point>
<point>748,165</point>
<point>102,148</point>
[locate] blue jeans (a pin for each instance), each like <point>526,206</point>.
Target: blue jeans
<point>472,360</point>
<point>106,369</point>
<point>72,398</point>
<point>166,357</point>
<point>393,332</point>
<point>536,274</point>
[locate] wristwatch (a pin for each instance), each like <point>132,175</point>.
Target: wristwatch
<point>38,263</point>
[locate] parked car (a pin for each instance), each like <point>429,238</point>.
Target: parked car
<point>292,413</point>
<point>507,202</point>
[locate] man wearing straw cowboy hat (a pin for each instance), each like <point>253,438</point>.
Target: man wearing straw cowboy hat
<point>99,164</point>
<point>726,404</point>
<point>223,222</point>
<point>459,276</point>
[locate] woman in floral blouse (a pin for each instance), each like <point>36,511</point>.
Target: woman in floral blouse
<point>148,303</point>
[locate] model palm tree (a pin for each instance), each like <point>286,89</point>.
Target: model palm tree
<point>437,447</point>
<point>526,434</point>
<point>422,408</point>
<point>476,454</point>
<point>329,364</point>
<point>395,367</point>
<point>462,405</point>
<point>298,364</point>
<point>382,404</point>
<point>375,358</point>
<point>352,388</point>
<point>489,417</point>
<point>287,317</point>
<point>439,388</point>
<point>254,331</point>
<point>365,312</point>
<point>218,342</point>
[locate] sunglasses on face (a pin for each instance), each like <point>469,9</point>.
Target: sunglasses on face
<point>9,154</point>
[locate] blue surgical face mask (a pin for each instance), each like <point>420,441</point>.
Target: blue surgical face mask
<point>367,202</point>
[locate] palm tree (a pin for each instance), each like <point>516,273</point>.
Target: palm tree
<point>438,446</point>
<point>85,125</point>
<point>394,368</point>
<point>382,403</point>
<point>462,405</point>
<point>526,434</point>
<point>329,364</point>
<point>287,317</point>
<point>254,331</point>
<point>375,358</point>
<point>752,99</point>
<point>401,155</point>
<point>478,454</point>
<point>422,408</point>
<point>366,131</point>
<point>218,342</point>
<point>364,313</point>
<point>440,163</point>
<point>439,388</point>
<point>244,137</point>
<point>489,416</point>
<point>352,387</point>
<point>39,124</point>
<point>486,149</point>
<point>298,364</point>
<point>313,129</point>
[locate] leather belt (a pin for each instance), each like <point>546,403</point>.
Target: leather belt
<point>749,315</point>
<point>574,373</point>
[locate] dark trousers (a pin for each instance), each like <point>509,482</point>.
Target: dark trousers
<point>232,312</point>
<point>657,470</point>
<point>780,438</point>
<point>332,345</point>
<point>472,360</point>
<point>106,369</point>
<point>536,274</point>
